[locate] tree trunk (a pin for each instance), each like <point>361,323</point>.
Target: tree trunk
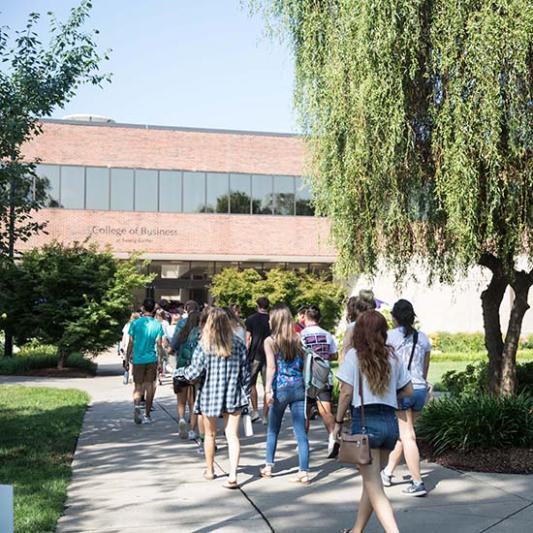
<point>491,299</point>
<point>62,357</point>
<point>8,342</point>
<point>521,283</point>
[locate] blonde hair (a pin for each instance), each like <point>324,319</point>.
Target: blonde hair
<point>283,333</point>
<point>217,334</point>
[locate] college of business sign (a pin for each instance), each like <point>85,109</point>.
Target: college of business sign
<point>130,234</point>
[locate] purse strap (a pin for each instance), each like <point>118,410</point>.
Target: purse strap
<point>363,421</point>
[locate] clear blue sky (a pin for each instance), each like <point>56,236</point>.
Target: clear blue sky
<point>196,63</point>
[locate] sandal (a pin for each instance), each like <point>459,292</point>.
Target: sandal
<point>304,480</point>
<point>265,472</point>
<point>209,477</point>
<point>232,485</point>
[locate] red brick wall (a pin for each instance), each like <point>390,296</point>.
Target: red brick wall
<point>167,149</point>
<point>241,237</point>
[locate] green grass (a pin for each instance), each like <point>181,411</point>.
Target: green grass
<point>42,357</point>
<point>40,427</point>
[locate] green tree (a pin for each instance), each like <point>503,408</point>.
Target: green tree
<point>74,297</point>
<point>294,288</point>
<point>35,79</point>
<point>418,118</point>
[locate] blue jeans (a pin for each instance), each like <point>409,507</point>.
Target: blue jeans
<point>381,425</point>
<point>416,401</point>
<point>294,398</point>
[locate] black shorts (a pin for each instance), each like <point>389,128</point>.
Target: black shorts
<point>257,366</point>
<point>325,396</point>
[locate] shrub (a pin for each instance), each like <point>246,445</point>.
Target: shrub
<point>479,421</point>
<point>458,342</point>
<point>474,379</point>
<point>32,359</point>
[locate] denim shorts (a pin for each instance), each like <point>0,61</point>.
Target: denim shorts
<point>415,402</point>
<point>381,425</point>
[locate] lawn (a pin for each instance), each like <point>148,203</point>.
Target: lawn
<point>40,427</point>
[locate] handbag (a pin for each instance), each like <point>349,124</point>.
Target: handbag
<point>355,449</point>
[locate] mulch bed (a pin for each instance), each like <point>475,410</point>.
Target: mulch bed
<point>58,373</point>
<point>500,461</point>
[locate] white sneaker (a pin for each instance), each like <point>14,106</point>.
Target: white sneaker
<point>182,428</point>
<point>137,415</point>
<point>147,419</point>
<point>386,479</point>
<point>255,416</point>
<point>192,434</point>
<point>333,446</point>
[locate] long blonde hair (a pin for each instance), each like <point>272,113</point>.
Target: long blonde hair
<point>217,334</point>
<point>282,329</point>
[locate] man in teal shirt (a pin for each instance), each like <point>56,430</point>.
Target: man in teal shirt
<point>146,334</point>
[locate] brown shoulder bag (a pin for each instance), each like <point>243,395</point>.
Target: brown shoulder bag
<point>355,449</point>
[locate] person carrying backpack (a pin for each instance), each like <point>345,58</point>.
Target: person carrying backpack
<point>413,348</point>
<point>186,343</point>
<point>285,388</point>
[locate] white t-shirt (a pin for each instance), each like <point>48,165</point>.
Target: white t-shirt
<point>348,373</point>
<point>320,341</point>
<point>404,345</point>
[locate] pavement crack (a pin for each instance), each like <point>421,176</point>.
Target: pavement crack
<point>507,517</point>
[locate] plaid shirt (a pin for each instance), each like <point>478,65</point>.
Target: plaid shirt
<point>226,383</point>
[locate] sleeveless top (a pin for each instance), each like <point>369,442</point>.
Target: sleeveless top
<point>288,373</point>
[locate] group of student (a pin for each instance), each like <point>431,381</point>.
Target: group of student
<point>218,358</point>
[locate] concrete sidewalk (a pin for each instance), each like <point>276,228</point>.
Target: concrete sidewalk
<point>136,478</point>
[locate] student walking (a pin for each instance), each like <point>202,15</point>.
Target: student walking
<point>284,388</point>
<point>146,335</point>
<point>356,305</point>
<point>323,344</point>
<point>414,348</point>
<point>257,330</point>
<point>186,344</point>
<point>221,357</point>
<point>372,368</point>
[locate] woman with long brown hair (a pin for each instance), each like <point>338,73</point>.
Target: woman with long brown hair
<point>221,356</point>
<point>285,387</point>
<point>372,368</point>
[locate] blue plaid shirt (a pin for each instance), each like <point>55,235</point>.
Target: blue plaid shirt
<point>226,383</point>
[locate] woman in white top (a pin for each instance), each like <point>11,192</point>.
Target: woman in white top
<point>383,378</point>
<point>413,348</point>
<point>356,305</point>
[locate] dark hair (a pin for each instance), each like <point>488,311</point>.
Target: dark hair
<point>313,313</point>
<point>365,301</point>
<point>193,320</point>
<point>263,303</point>
<point>192,305</point>
<point>351,308</point>
<point>148,305</point>
<point>302,309</point>
<point>369,338</point>
<point>235,321</point>
<point>404,314</point>
<point>203,317</point>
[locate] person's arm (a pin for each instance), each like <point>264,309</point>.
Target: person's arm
<point>405,391</point>
<point>333,350</point>
<point>270,369</point>
<point>129,351</point>
<point>197,366</point>
<point>248,339</point>
<point>345,400</point>
<point>426,365</point>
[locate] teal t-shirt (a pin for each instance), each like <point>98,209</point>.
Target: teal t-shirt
<point>145,332</point>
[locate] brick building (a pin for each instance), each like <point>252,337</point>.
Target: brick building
<point>192,201</point>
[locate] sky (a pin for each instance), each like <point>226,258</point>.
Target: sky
<point>189,63</point>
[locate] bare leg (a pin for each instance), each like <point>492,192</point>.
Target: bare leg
<point>149,396</point>
<point>190,401</point>
<point>395,457</point>
<point>324,408</point>
<point>373,490</point>
<point>231,427</point>
<point>200,422</point>
<point>253,397</point>
<point>364,512</point>
<point>137,393</point>
<point>182,401</point>
<point>406,421</point>
<point>210,427</point>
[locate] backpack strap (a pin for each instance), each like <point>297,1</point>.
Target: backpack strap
<point>415,342</point>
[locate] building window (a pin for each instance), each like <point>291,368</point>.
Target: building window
<point>240,193</point>
<point>52,174</point>
<point>261,194</point>
<point>146,190</point>
<point>97,188</point>
<point>122,189</point>
<point>73,187</point>
<point>193,192</point>
<point>217,193</point>
<point>304,206</point>
<point>169,191</point>
<point>283,195</point>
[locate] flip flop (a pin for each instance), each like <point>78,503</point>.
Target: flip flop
<point>303,480</point>
<point>232,485</point>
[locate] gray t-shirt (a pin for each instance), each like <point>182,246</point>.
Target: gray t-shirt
<point>404,345</point>
<point>399,378</point>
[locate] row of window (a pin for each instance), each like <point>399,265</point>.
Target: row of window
<point>174,191</point>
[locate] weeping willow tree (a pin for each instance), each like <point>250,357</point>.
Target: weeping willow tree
<point>418,115</point>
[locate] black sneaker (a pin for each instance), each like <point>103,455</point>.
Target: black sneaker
<point>415,489</point>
